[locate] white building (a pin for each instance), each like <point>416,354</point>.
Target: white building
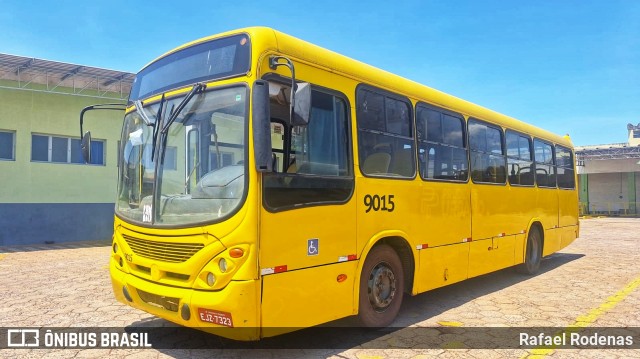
<point>609,176</point>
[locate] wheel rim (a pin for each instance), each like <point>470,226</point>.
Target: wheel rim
<point>382,287</point>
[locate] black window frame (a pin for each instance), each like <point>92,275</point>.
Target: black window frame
<point>465,141</point>
<point>571,168</point>
<point>337,183</point>
<point>531,156</point>
<point>471,151</point>
<point>551,165</point>
<point>12,135</point>
<point>360,131</point>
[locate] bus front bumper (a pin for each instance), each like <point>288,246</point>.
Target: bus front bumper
<point>230,312</point>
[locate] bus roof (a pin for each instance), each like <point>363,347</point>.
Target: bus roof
<point>270,39</point>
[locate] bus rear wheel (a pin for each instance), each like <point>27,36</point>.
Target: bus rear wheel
<point>381,287</point>
<point>533,255</point>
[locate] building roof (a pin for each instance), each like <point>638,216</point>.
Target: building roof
<point>53,76</point>
<point>607,152</point>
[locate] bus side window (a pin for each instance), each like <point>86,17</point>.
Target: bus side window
<point>313,163</point>
<point>488,162</point>
<point>385,134</point>
<point>519,159</point>
<point>564,168</point>
<point>320,148</point>
<point>545,169</point>
<point>442,147</point>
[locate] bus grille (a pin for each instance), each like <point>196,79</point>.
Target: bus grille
<point>160,301</point>
<point>163,251</point>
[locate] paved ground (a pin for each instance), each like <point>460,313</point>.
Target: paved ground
<point>595,282</point>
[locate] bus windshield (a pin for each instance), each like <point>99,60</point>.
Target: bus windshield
<point>201,174</point>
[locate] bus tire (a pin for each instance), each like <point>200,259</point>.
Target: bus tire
<point>381,287</point>
<point>533,255</point>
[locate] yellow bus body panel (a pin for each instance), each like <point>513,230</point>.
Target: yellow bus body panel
<point>304,298</point>
<point>239,298</point>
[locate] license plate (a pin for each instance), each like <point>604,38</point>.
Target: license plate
<point>215,317</point>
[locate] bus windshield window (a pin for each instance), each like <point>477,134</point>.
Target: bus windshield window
<point>202,177</point>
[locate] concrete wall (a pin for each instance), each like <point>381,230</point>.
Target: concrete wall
<point>609,166</point>
<point>610,193</point>
<point>55,201</point>
<point>610,186</point>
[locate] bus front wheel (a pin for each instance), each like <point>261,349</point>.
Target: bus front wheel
<point>381,287</point>
<point>533,254</point>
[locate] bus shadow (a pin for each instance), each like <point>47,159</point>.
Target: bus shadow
<point>54,246</point>
<point>334,337</point>
<point>437,301</point>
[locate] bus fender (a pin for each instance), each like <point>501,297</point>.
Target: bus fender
<point>365,252</point>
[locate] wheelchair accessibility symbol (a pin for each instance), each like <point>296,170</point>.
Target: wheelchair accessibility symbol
<point>312,247</point>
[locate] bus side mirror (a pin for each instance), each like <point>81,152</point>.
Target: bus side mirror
<point>85,141</point>
<point>85,144</point>
<point>302,105</point>
<point>262,127</point>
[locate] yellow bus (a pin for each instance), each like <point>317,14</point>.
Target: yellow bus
<point>267,184</point>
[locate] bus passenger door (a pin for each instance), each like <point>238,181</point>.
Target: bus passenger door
<point>307,230</point>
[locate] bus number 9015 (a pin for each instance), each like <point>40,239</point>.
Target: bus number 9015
<point>379,203</point>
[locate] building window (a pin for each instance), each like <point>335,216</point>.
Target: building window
<point>226,159</point>
<point>57,149</point>
<point>636,133</point>
<point>7,145</point>
<point>170,158</point>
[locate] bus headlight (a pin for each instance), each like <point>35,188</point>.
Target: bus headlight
<point>219,271</point>
<point>211,279</point>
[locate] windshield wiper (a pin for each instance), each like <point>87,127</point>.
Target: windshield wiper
<point>160,135</point>
<point>162,126</point>
<point>197,88</point>
<point>156,126</point>
<point>142,114</point>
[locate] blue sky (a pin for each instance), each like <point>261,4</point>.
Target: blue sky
<point>566,66</point>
